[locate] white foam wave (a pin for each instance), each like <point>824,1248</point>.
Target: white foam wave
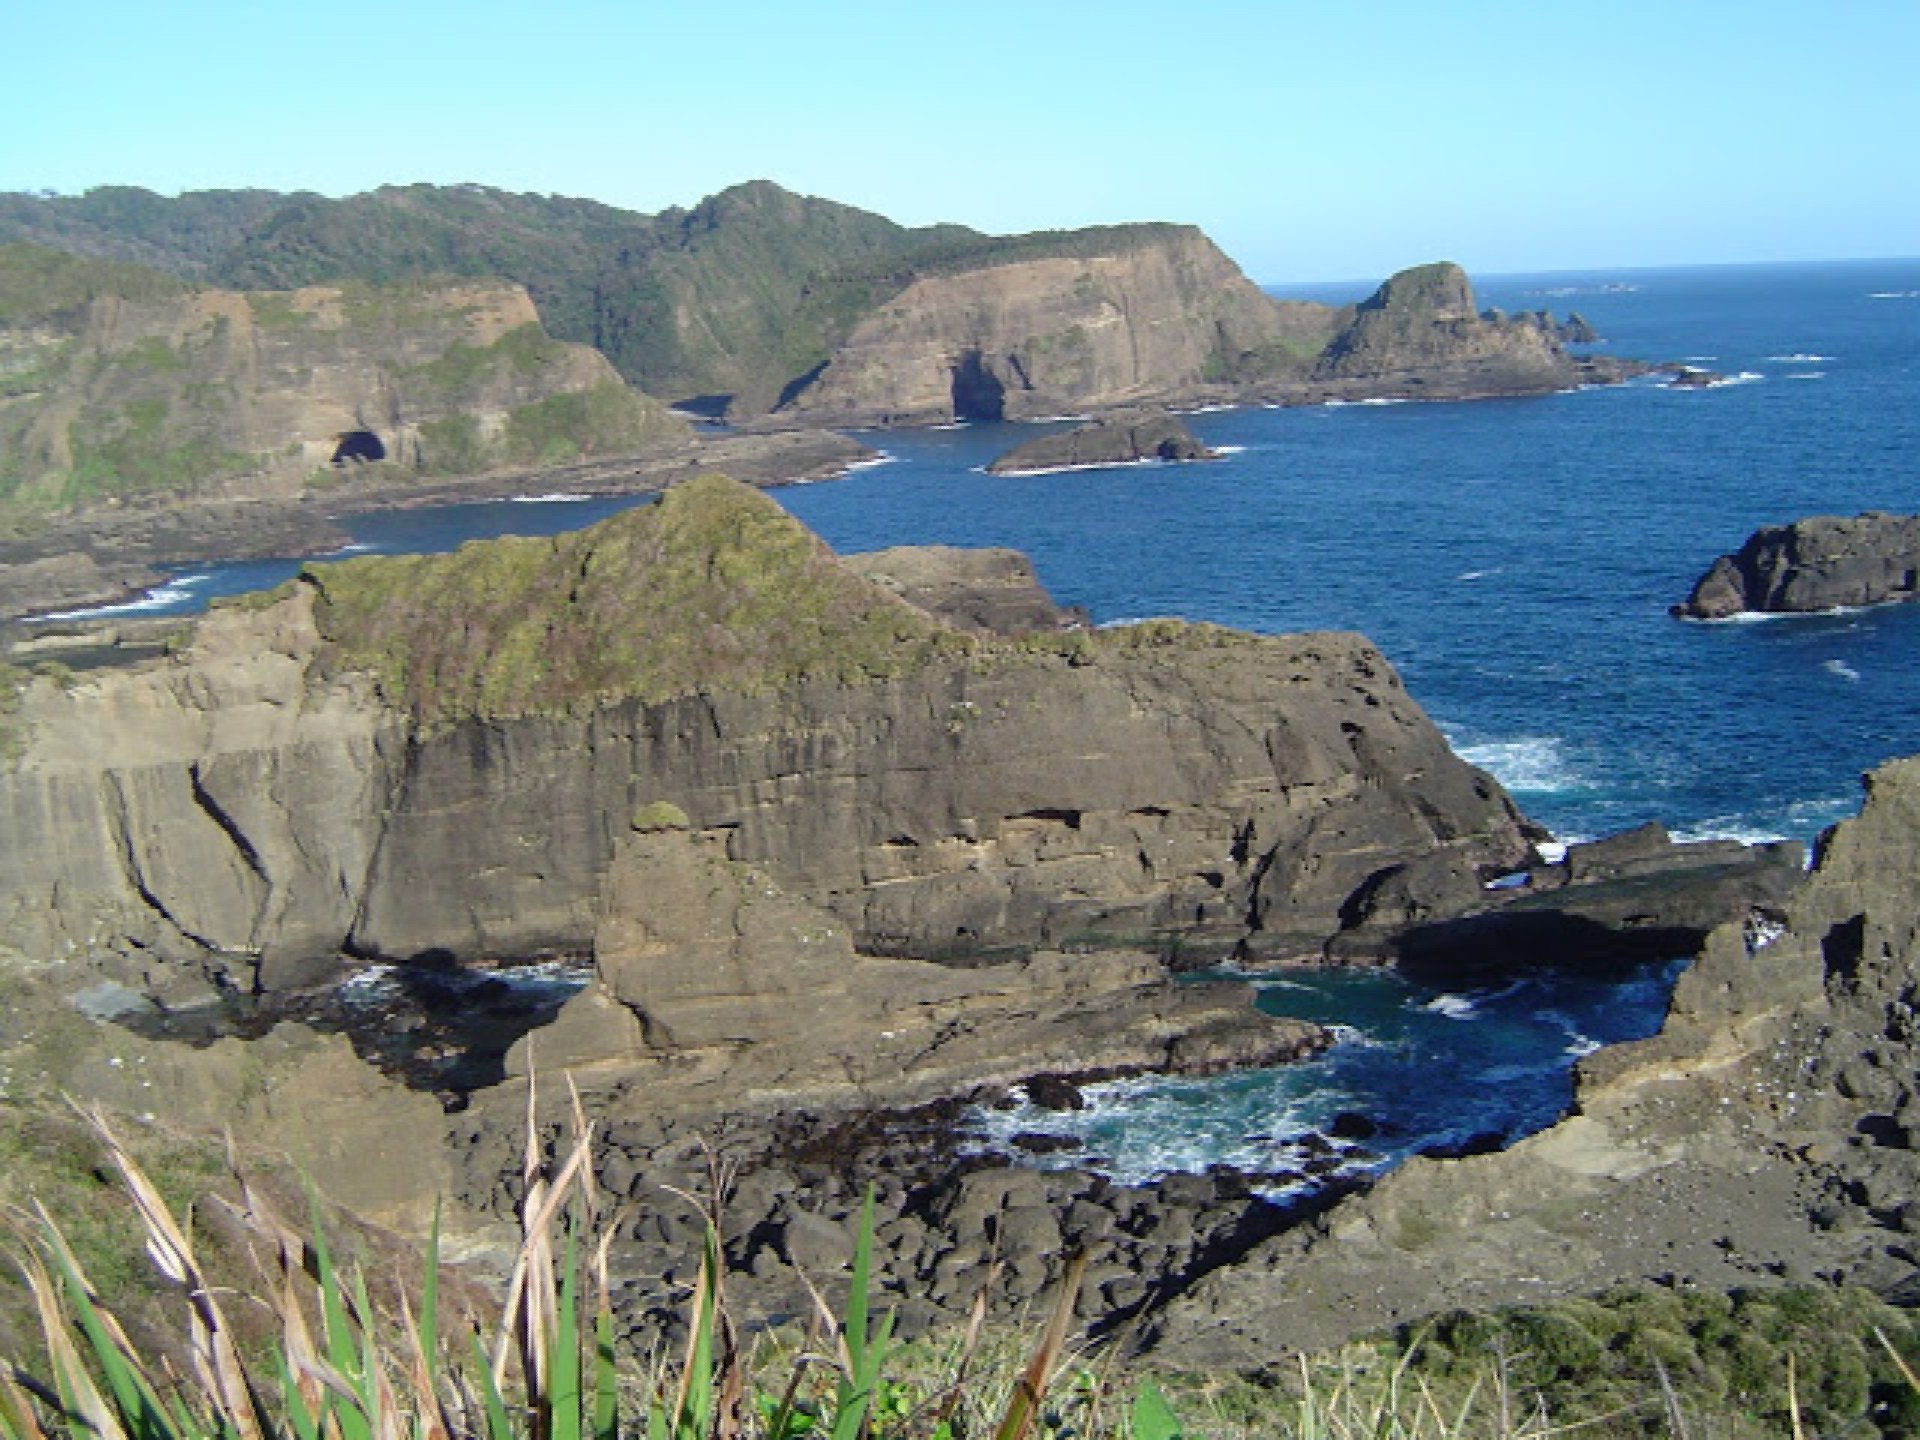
<point>1842,669</point>
<point>1214,409</point>
<point>1801,357</point>
<point>161,597</point>
<point>1895,295</point>
<point>1532,763</point>
<point>1745,377</point>
<point>873,462</point>
<point>1454,1007</point>
<point>552,497</point>
<point>952,425</point>
<point>1581,1045</point>
<point>1808,375</point>
<point>1229,449</point>
<point>1467,575</point>
<point>1701,359</point>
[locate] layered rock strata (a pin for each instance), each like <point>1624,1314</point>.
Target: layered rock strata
<point>1125,438</point>
<point>1821,563</point>
<point>441,755</point>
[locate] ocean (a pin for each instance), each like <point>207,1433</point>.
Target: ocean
<point>1515,560</point>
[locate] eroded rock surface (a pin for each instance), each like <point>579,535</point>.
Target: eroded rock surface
<point>1764,1135</point>
<point>1821,563</point>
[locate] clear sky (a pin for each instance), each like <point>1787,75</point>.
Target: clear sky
<point>1331,139</point>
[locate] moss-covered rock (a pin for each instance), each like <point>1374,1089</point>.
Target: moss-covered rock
<point>714,587</point>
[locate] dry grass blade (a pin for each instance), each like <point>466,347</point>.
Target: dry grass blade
<point>77,1391</point>
<point>533,1267</point>
<point>1023,1407</point>
<point>1906,1371</point>
<point>212,1346</point>
<point>969,1348</point>
<point>1793,1398</point>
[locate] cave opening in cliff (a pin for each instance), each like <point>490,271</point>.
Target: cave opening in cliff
<point>359,445</point>
<point>978,393</point>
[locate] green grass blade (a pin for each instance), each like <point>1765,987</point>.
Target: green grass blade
<point>1153,1417</point>
<point>429,1328</point>
<point>306,1424</point>
<point>606,1382</point>
<point>138,1408</point>
<point>499,1423</point>
<point>563,1399</point>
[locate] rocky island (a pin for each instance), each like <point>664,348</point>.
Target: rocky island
<point>1822,563</point>
<point>1128,437</point>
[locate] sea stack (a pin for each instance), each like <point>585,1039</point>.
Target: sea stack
<point>1820,563</point>
<point>1125,438</point>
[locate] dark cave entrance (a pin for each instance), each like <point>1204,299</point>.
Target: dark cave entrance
<point>978,393</point>
<point>359,445</point>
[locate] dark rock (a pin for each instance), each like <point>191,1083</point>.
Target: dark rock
<point>1126,438</point>
<point>1032,1142</point>
<point>1055,1092</point>
<point>1484,1142</point>
<point>1820,563</point>
<point>1352,1125</point>
<point>1631,897</point>
<point>1692,377</point>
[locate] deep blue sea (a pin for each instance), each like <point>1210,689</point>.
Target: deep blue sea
<point>1515,560</point>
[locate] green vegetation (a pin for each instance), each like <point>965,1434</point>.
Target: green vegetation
<point>321,1353</point>
<point>713,587</point>
<point>776,280</point>
<point>42,286</point>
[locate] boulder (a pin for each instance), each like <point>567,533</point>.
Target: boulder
<point>1821,563</point>
<point>1129,438</point>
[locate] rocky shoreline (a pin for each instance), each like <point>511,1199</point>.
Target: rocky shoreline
<point>106,555</point>
<point>959,851</point>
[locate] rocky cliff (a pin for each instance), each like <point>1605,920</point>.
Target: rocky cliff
<point>1766,1134</point>
<point>1821,563</point>
<point>442,755</point>
<point>1160,313</point>
<point>113,391</point>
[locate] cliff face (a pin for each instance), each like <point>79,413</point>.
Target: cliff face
<point>1155,318</point>
<point>205,391</point>
<point>1767,1133</point>
<point>1821,563</point>
<point>271,796</point>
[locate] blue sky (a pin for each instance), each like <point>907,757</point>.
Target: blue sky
<point>1332,140</point>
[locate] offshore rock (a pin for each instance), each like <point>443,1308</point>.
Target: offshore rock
<point>1420,334</point>
<point>1765,1135</point>
<point>1126,438</point>
<point>1821,563</point>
